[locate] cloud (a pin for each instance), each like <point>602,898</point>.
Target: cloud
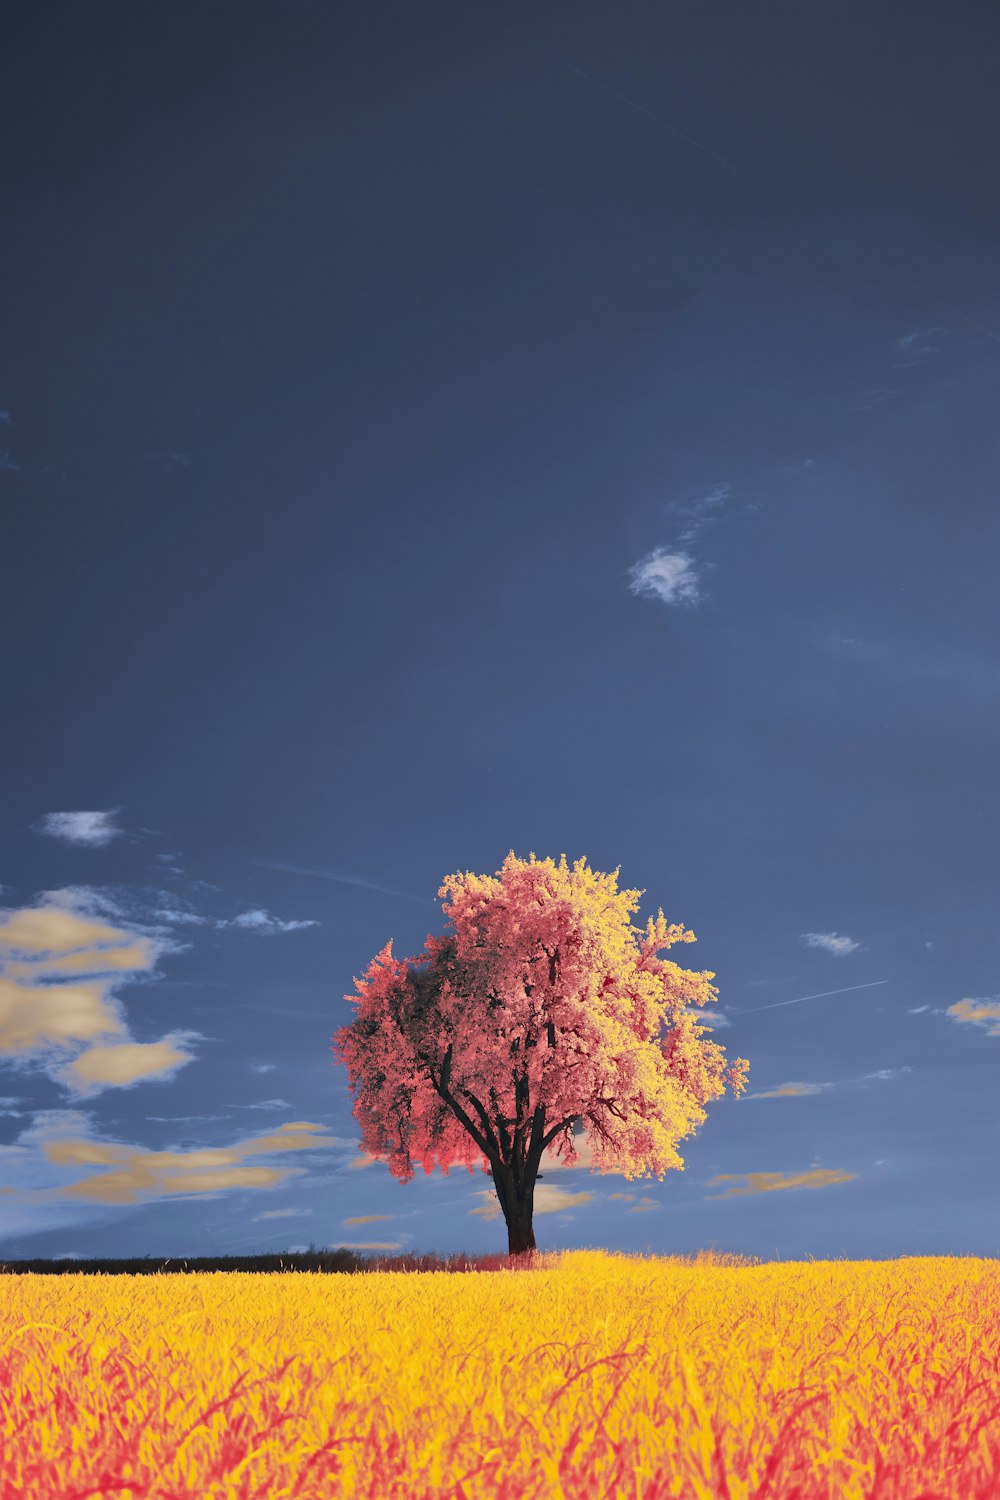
<point>282,1213</point>
<point>801,1090</point>
<point>145,1176</point>
<point>548,1200</point>
<point>367,1219</point>
<point>644,1206</point>
<point>6,462</point>
<point>60,965</point>
<point>36,932</point>
<point>917,1010</point>
<point>262,922</point>
<point>183,1119</point>
<point>790,1091</point>
<point>179,916</point>
<point>263,1067</point>
<point>265,1104</point>
<point>584,1156</point>
<point>916,343</point>
<point>669,576</point>
<point>710,1016</point>
<point>830,942</point>
<point>625,1197</point>
<point>361,1161</point>
<point>774,1182</point>
<point>91,829</point>
<point>122,1064</point>
<point>983,1011</point>
<point>701,512</point>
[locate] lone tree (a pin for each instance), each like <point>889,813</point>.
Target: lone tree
<point>543,1008</point>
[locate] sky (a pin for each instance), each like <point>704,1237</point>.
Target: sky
<point>433,431</point>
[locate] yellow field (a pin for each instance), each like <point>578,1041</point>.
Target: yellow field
<point>591,1376</point>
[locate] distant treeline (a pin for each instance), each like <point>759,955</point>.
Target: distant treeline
<point>338,1260</point>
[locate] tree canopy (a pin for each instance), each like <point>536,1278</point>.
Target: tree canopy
<point>541,1010</point>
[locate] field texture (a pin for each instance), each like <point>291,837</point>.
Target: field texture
<point>591,1376</point>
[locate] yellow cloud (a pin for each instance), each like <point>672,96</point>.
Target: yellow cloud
<point>54,929</point>
<point>774,1182</point>
<point>788,1091</point>
<point>358,1163</point>
<point>155,1174</point>
<point>644,1206</point>
<point>121,1187</point>
<point>978,1012</point>
<point>48,1002</point>
<point>625,1197</point>
<point>584,1157</point>
<point>367,1219</point>
<point>548,1200</point>
<point>36,1016</point>
<point>126,958</point>
<point>122,1064</point>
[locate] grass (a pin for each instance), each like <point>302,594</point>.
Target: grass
<point>593,1377</point>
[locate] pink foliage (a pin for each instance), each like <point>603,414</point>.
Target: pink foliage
<point>541,1009</point>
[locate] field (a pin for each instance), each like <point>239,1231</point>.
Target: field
<point>588,1375</point>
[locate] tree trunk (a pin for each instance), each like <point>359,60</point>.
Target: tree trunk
<point>520,1234</point>
<point>515,1191</point>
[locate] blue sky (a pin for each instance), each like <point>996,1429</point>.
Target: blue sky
<point>425,436</point>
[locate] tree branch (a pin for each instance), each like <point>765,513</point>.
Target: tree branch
<point>440,1086</point>
<point>550,1136</point>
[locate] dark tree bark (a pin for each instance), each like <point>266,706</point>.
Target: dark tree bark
<point>516,1195</point>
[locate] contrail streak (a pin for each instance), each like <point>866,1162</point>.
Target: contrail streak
<point>564,62</point>
<point>821,996</point>
<point>340,878</point>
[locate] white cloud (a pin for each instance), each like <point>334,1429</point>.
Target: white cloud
<point>669,576</point>
<point>701,512</point>
<point>283,1213</point>
<point>831,942</point>
<point>263,1067</point>
<point>262,922</point>
<point>91,829</point>
<point>266,1104</point>
<point>179,917</point>
<point>917,342</point>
